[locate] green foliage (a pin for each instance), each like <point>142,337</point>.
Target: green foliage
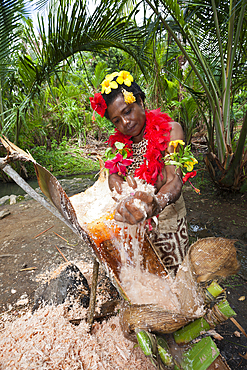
<point>61,108</point>
<point>213,40</point>
<point>71,29</point>
<point>100,71</point>
<point>181,158</point>
<point>55,57</point>
<point>202,179</point>
<point>10,29</point>
<point>102,63</point>
<point>110,154</point>
<point>49,77</point>
<point>62,160</point>
<point>239,106</point>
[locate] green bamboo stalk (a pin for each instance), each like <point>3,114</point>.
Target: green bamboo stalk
<point>144,342</point>
<point>163,351</point>
<point>195,328</point>
<point>215,289</point>
<point>151,348</point>
<point>191,331</point>
<point>226,309</point>
<point>201,355</point>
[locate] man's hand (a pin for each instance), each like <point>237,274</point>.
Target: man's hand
<point>137,208</point>
<point>116,181</point>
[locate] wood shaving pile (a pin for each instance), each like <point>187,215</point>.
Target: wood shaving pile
<point>46,340</point>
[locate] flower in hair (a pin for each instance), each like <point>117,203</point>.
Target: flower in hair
<point>111,76</point>
<point>124,77</point>
<point>98,104</point>
<point>129,97</point>
<point>108,84</point>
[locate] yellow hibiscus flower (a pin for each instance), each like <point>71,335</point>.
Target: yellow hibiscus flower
<point>125,77</point>
<point>175,143</point>
<point>111,76</point>
<point>108,85</point>
<point>190,164</point>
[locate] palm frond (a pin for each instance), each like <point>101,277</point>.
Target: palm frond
<point>73,30</point>
<point>11,11</point>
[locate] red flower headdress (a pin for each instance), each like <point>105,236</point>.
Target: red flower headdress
<point>122,78</point>
<point>98,104</point>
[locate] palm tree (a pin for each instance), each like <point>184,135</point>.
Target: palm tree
<point>71,29</point>
<point>10,15</point>
<point>213,40</point>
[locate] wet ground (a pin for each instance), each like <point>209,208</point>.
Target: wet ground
<point>25,255</point>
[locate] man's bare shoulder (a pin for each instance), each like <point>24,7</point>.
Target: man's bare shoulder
<point>176,131</point>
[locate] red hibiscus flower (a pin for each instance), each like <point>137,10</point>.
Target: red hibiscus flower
<point>98,104</point>
<point>118,165</point>
<point>189,175</point>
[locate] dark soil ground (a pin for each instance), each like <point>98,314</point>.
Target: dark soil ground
<point>24,255</point>
<point>214,213</point>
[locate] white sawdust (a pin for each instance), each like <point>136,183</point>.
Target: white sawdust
<point>47,340</point>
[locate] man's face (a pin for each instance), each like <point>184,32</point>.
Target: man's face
<point>129,119</point>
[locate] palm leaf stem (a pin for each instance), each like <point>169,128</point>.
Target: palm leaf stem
<point>235,166</point>
<point>178,42</point>
<point>203,62</point>
<point>194,46</point>
<point>1,106</point>
<point>213,101</point>
<point>231,56</point>
<point>217,121</point>
<point>217,28</point>
<point>226,87</point>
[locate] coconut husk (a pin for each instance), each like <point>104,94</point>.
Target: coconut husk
<point>150,318</point>
<point>189,292</point>
<point>158,319</point>
<point>213,257</point>
<point>207,259</point>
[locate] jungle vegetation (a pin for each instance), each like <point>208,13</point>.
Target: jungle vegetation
<point>188,56</point>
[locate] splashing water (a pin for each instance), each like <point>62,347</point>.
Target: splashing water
<point>141,286</point>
